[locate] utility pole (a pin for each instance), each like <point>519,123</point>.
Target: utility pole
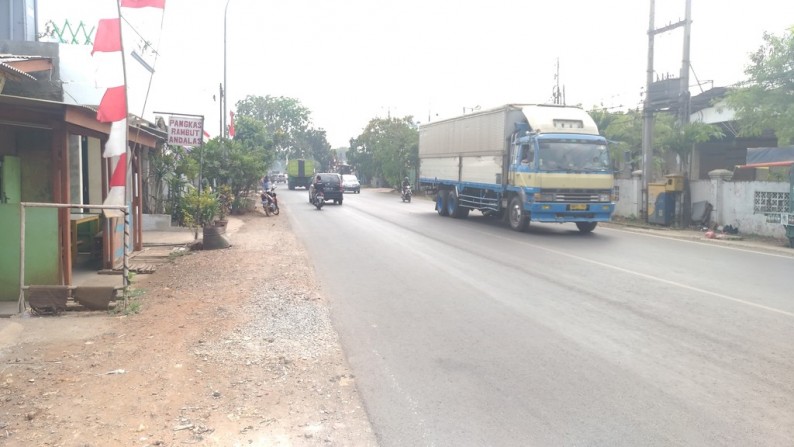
<point>683,114</point>
<point>648,106</point>
<point>647,119</point>
<point>683,109</point>
<point>221,114</point>
<point>557,95</point>
<point>225,85</point>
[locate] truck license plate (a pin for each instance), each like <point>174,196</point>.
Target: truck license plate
<point>578,207</point>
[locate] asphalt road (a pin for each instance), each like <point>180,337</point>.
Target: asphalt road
<point>463,332</point>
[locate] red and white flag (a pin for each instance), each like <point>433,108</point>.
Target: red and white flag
<point>108,36</point>
<point>143,3</point>
<point>118,183</point>
<point>113,106</point>
<point>108,54</point>
<point>117,141</point>
<point>231,124</point>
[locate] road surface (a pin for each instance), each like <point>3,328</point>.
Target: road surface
<point>463,332</point>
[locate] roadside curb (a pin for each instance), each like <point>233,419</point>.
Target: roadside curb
<point>752,243</point>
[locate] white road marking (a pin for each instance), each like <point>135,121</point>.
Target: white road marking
<point>655,278</point>
<point>708,244</point>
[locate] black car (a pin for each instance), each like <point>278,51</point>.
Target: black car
<point>333,187</point>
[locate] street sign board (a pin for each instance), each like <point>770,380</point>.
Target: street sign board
<point>187,131</point>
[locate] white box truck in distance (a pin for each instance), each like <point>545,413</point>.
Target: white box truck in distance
<point>543,163</point>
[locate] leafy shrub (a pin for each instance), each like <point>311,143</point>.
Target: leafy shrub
<point>199,209</point>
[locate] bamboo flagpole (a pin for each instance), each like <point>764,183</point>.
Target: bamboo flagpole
<point>114,109</point>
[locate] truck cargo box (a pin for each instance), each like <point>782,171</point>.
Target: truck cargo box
<point>481,133</point>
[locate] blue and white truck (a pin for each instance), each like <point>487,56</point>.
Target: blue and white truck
<point>522,163</point>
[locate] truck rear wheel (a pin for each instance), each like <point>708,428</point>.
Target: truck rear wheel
<point>516,216</point>
<point>441,202</point>
<point>453,206</point>
<point>586,227</point>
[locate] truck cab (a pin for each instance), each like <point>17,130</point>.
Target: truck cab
<point>559,169</point>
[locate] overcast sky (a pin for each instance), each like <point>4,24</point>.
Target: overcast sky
<point>349,61</point>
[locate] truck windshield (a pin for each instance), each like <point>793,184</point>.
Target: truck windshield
<point>573,155</point>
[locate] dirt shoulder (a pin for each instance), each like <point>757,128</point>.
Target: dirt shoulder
<point>231,347</point>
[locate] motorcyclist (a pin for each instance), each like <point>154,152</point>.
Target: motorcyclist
<point>406,184</point>
<point>318,186</point>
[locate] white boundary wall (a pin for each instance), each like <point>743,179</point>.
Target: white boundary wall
<point>732,202</point>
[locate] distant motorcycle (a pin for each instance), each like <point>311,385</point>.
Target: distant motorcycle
<point>319,199</point>
<point>406,195</point>
<point>270,202</point>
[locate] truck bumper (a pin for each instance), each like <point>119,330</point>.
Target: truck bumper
<point>571,212</point>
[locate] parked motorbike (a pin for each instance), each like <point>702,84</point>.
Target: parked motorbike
<point>319,199</point>
<point>270,202</point>
<point>406,194</point>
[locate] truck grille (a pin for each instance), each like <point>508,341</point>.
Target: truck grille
<point>591,196</point>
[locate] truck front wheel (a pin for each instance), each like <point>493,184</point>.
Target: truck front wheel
<point>517,217</point>
<point>441,202</point>
<point>586,227</point>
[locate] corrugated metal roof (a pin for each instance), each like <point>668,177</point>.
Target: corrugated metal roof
<point>6,65</point>
<point>135,123</point>
<point>6,57</point>
<point>13,73</point>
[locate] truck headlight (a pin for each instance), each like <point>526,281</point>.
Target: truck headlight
<point>544,197</point>
<point>605,197</point>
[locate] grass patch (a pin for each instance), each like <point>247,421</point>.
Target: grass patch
<point>178,253</point>
<point>133,302</point>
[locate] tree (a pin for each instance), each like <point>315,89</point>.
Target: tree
<point>388,148</point>
<point>171,169</point>
<point>168,166</point>
<point>766,100</point>
<point>286,120</point>
<point>624,131</point>
<point>253,134</point>
<point>680,139</point>
<point>318,148</point>
<point>360,156</point>
<point>234,164</point>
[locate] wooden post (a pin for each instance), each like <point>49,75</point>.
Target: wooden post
<point>107,253</point>
<point>137,199</point>
<point>125,270</point>
<point>61,136</point>
<point>21,307</point>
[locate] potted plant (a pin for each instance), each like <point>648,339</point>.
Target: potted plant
<point>225,200</point>
<point>199,209</point>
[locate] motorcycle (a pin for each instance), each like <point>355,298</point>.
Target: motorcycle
<point>270,202</point>
<point>406,194</point>
<point>319,199</point>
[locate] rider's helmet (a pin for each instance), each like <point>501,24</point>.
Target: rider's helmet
<point>406,179</point>
<point>318,178</point>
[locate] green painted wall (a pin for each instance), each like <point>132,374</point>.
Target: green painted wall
<point>35,156</point>
<point>94,171</point>
<point>10,182</point>
<point>41,248</point>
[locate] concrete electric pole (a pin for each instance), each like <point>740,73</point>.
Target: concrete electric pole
<point>682,101</point>
<point>647,119</point>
